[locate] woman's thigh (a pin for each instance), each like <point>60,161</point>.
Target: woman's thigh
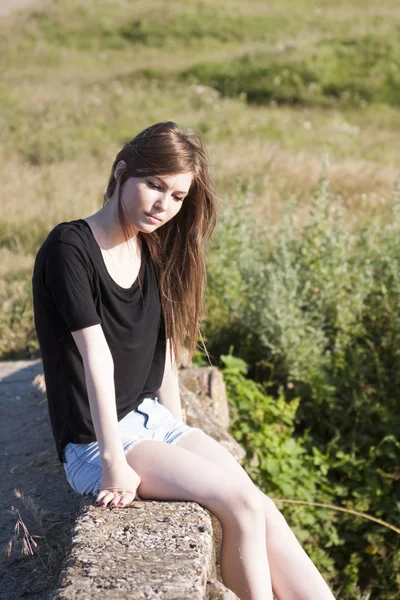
<point>200,443</point>
<point>203,445</point>
<point>170,472</point>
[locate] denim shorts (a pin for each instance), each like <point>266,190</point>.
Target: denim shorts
<point>149,421</point>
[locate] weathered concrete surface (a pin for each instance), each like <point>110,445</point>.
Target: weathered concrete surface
<point>209,387</point>
<point>149,550</point>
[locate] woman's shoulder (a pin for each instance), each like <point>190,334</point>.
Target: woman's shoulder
<point>67,241</point>
<point>69,232</point>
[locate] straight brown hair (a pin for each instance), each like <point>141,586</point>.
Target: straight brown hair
<point>177,248</point>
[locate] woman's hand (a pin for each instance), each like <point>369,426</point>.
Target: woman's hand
<point>118,486</point>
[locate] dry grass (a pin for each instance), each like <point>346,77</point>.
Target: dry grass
<point>66,112</point>
<point>42,540</point>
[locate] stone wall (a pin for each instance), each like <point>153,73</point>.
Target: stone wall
<point>167,550</point>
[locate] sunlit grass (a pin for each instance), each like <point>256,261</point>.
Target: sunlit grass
<point>80,79</point>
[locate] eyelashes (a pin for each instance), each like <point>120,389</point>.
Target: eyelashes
<point>154,185</point>
<point>157,187</point>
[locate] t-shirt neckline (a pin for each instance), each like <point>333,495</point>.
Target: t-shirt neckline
<point>104,266</point>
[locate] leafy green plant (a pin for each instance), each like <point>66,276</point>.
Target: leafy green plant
<point>314,311</point>
<point>283,466</point>
<point>278,462</point>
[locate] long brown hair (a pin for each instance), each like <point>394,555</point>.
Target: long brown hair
<point>177,248</point>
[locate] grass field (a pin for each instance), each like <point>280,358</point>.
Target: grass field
<point>272,87</point>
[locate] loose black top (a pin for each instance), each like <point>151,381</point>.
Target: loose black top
<point>72,289</point>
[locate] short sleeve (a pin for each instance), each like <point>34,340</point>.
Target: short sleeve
<point>67,277</point>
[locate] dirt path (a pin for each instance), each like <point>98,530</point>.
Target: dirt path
<point>29,463</point>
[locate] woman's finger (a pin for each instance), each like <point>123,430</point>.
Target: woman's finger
<point>127,498</point>
<point>100,496</point>
<point>106,499</point>
<point>116,499</point>
<point>114,496</point>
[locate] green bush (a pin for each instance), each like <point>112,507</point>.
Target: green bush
<point>315,311</point>
<point>278,462</point>
<point>351,71</point>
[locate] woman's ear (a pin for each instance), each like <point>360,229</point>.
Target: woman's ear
<point>119,169</point>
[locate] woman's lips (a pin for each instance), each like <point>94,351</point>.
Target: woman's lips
<point>153,219</point>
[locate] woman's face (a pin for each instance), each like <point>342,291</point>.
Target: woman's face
<point>150,202</point>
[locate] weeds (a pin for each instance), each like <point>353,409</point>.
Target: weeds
<point>28,543</point>
<point>41,541</point>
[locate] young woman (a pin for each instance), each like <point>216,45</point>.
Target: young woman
<point>117,296</point>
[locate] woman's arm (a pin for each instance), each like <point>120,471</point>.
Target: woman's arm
<point>117,474</point>
<point>168,394</point>
<point>99,375</point>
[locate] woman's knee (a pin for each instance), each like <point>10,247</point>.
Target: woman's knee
<point>273,515</point>
<point>246,504</point>
<point>270,507</point>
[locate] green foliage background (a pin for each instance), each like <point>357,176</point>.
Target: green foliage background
<point>315,313</point>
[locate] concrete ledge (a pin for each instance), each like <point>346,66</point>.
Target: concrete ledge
<point>150,550</point>
<point>167,550</point>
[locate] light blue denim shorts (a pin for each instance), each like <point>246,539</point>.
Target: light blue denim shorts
<point>149,421</point>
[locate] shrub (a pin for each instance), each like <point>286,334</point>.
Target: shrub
<point>314,310</point>
<point>350,71</point>
<point>278,462</point>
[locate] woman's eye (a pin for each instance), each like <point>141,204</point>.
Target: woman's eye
<point>153,185</point>
<point>157,187</point>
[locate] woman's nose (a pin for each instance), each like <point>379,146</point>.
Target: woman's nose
<point>162,202</point>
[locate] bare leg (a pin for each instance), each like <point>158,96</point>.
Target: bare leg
<point>294,576</point>
<point>169,472</point>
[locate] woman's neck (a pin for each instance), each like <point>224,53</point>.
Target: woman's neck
<point>107,229</point>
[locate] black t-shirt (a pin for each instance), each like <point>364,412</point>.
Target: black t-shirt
<point>72,289</point>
